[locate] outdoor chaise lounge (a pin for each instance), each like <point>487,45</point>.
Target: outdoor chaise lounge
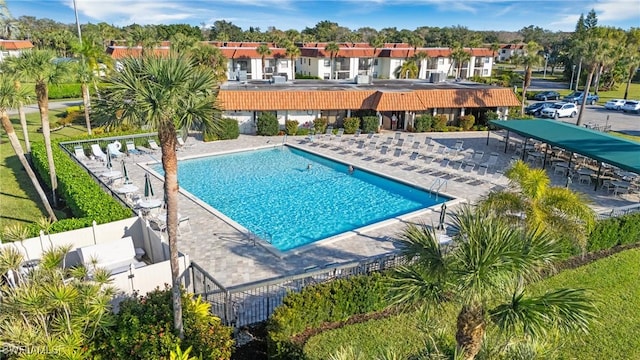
<point>98,153</point>
<point>153,145</point>
<point>114,149</point>
<point>131,148</point>
<point>78,151</point>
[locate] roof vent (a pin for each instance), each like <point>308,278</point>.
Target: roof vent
<point>277,79</point>
<point>363,79</point>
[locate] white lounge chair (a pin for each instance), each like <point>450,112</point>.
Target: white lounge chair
<point>114,149</point>
<point>182,144</point>
<point>78,151</point>
<point>153,145</point>
<point>98,153</point>
<point>131,148</point>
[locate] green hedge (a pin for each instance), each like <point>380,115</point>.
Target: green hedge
<point>423,123</point>
<point>291,126</point>
<point>229,129</point>
<point>614,231</point>
<point>267,124</point>
<point>351,124</point>
<point>329,302</point>
<point>370,124</point>
<point>65,91</point>
<point>82,195</point>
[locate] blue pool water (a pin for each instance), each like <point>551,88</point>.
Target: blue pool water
<point>274,194</point>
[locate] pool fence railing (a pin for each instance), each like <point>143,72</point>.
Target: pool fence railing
<point>252,303</point>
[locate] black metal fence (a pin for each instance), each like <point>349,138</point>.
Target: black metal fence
<point>253,303</point>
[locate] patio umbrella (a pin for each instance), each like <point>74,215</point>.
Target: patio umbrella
<point>124,171</point>
<point>148,189</point>
<point>443,213</point>
<point>109,165</point>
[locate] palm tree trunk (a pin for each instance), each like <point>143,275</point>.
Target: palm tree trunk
<point>584,95</point>
<point>525,86</point>
<point>293,68</point>
<point>597,85</point>
<point>15,143</point>
<point>23,125</point>
<point>263,74</point>
<point>87,106</point>
<point>42,93</point>
<point>631,73</point>
<point>168,140</point>
<point>470,330</point>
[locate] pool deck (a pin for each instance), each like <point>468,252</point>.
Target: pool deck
<point>233,259</point>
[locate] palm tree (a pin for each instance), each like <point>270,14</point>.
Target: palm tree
<point>632,56</point>
<point>167,94</point>
<point>211,57</point>
<point>414,41</point>
<point>494,49</point>
<point>532,202</point>
<point>332,48</point>
<point>23,118</point>
<point>293,52</point>
<point>38,66</point>
<point>420,58</point>
<point>484,272</point>
<point>408,70</point>
<point>263,50</point>
<point>529,58</point>
<point>459,55</point>
<point>376,43</point>
<point>12,97</point>
<point>594,49</point>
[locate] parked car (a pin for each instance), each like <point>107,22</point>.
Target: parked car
<point>614,104</point>
<point>547,95</point>
<point>560,109</point>
<point>576,98</point>
<point>536,108</point>
<point>631,106</point>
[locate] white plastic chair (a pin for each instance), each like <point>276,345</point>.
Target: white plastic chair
<point>98,153</point>
<point>114,149</point>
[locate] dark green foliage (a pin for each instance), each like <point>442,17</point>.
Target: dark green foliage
<point>614,231</point>
<point>267,124</point>
<point>143,329</point>
<point>440,122</point>
<point>319,304</point>
<point>83,196</point>
<point>65,91</point>
<point>306,77</point>
<point>320,125</point>
<point>228,129</point>
<point>303,131</point>
<point>370,124</point>
<point>291,126</point>
<point>423,123</point>
<point>466,122</point>
<point>351,124</point>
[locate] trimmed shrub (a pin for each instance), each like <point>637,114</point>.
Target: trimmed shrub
<point>423,123</point>
<point>315,305</point>
<point>291,126</point>
<point>370,124</point>
<point>65,91</point>
<point>439,122</point>
<point>267,124</point>
<point>320,125</point>
<point>303,131</point>
<point>351,124</point>
<point>228,129</point>
<point>466,122</point>
<point>143,329</point>
<point>614,231</point>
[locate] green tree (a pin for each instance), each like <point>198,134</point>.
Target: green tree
<point>39,66</point>
<point>181,42</point>
<point>594,50</point>
<point>420,59</point>
<point>530,58</point>
<point>332,48</point>
<point>376,43</point>
<point>211,57</point>
<point>264,51</point>
<point>165,93</point>
<point>52,307</point>
<point>292,52</point>
<point>12,97</point>
<point>459,55</point>
<point>532,202</point>
<point>631,56</point>
<point>485,272</point>
<point>408,70</point>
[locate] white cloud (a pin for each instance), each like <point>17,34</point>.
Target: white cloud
<point>611,11</point>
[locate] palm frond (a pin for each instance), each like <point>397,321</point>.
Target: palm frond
<point>409,284</point>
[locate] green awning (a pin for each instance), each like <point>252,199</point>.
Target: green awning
<point>597,145</point>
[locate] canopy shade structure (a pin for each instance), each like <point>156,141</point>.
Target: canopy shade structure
<point>609,149</point>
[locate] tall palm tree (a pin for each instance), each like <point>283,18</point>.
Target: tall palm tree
<point>264,51</point>
<point>332,48</point>
<point>376,43</point>
<point>632,56</point>
<point>459,55</point>
<point>414,41</point>
<point>484,272</point>
<point>293,52</point>
<point>594,49</point>
<point>529,58</point>
<point>494,47</point>
<point>23,117</point>
<point>38,66</point>
<point>420,58</point>
<point>12,97</point>
<point>531,201</point>
<point>168,94</point>
<point>408,70</point>
<point>211,57</point>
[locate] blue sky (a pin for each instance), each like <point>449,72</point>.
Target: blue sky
<point>297,14</point>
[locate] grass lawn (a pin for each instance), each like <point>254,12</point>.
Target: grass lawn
<point>16,191</point>
<point>623,135</point>
<point>613,281</point>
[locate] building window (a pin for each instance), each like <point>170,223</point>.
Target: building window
<point>440,61</point>
<point>327,62</point>
<point>485,72</point>
<point>326,76</point>
<point>487,60</point>
<point>375,62</point>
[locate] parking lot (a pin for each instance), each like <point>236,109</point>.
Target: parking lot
<point>597,115</point>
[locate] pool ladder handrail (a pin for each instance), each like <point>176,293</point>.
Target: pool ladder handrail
<point>436,185</point>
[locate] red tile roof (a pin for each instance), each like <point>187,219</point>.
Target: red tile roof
<point>15,44</point>
<point>268,100</point>
<point>119,52</point>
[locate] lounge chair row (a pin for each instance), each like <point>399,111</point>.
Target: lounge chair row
<point>113,149</point>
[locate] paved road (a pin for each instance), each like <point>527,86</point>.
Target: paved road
<point>52,105</point>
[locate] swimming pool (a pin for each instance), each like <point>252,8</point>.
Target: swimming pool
<point>292,198</point>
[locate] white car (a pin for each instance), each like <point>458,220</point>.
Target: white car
<point>614,104</point>
<point>631,106</point>
<point>560,109</point>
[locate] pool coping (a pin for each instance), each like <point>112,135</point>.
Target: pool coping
<point>256,240</point>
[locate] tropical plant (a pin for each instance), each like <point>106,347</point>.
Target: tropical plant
<point>12,97</point>
<point>293,52</point>
<point>165,93</point>
<point>531,201</point>
<point>485,272</point>
<point>408,70</point>
<point>38,66</point>
<point>264,51</point>
<point>420,58</point>
<point>632,56</point>
<point>332,48</point>
<point>51,308</point>
<point>212,57</point>
<point>529,58</point>
<point>459,55</point>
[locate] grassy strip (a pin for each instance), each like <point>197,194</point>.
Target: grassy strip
<point>614,282</point>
